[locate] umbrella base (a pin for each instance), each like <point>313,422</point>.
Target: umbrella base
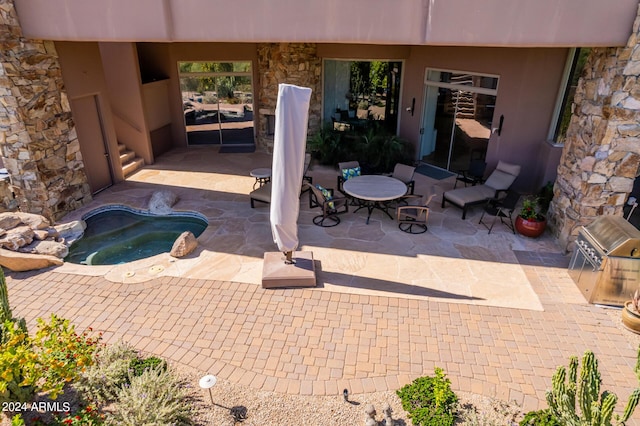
<point>277,274</point>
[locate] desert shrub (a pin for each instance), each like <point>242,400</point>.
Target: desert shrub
<point>101,381</point>
<point>139,365</point>
<point>539,418</point>
<point>62,352</point>
<point>429,400</point>
<point>86,416</point>
<point>19,366</point>
<point>55,356</point>
<point>156,397</point>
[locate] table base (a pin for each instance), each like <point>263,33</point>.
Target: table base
<point>370,205</point>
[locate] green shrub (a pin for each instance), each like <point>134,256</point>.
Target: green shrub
<point>62,352</point>
<point>539,418</point>
<point>429,400</point>
<point>87,416</point>
<point>157,397</point>
<point>110,371</point>
<point>45,363</point>
<point>139,365</point>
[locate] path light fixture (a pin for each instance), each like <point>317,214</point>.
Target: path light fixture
<point>239,412</point>
<point>207,382</point>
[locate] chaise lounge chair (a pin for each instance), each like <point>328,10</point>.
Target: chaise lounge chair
<point>500,180</point>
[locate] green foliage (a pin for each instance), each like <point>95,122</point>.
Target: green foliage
<point>110,371</point>
<point>375,149</point>
<point>62,352</point>
<point>17,420</point>
<point>530,209</point>
<point>19,365</point>
<point>545,196</point>
<point>429,400</point>
<point>157,397</point>
<point>87,416</point>
<point>594,408</point>
<point>539,418</point>
<point>44,363</point>
<point>139,365</point>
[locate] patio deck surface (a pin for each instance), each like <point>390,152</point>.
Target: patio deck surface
<point>497,312</point>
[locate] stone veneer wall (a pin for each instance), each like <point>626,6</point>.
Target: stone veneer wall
<point>291,63</point>
<point>602,149</point>
<point>38,141</point>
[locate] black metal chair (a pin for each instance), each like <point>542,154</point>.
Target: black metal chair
<point>502,208</point>
<point>475,173</point>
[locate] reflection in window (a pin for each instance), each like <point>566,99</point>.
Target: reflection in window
<point>217,100</point>
<point>564,117</point>
<point>359,92</point>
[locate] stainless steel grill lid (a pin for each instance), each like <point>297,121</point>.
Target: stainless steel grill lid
<point>616,236</point>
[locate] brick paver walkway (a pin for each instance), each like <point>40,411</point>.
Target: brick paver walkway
<point>316,342</point>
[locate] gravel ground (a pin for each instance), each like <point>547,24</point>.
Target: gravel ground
<point>269,408</point>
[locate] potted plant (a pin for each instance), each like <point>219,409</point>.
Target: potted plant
<point>530,221</point>
<point>631,313</point>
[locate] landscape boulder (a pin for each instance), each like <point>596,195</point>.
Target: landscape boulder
<point>17,237</point>
<point>184,244</point>
<point>20,262</point>
<point>162,201</point>
<point>71,231</point>
<point>51,248</point>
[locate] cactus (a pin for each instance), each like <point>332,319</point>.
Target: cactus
<point>595,409</point>
<point>5,309</point>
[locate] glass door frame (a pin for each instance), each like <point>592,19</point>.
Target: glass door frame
<point>214,74</point>
<point>454,87</point>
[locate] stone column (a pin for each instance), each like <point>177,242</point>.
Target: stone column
<point>291,63</point>
<point>602,150</point>
<point>38,141</point>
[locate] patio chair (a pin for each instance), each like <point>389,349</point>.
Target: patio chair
<point>331,207</point>
<point>405,173</point>
<point>500,180</point>
<point>502,208</point>
<point>307,163</point>
<point>413,217</point>
<point>262,194</point>
<point>475,173</point>
<point>345,171</point>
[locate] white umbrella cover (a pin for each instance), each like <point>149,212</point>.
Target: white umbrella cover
<point>289,145</point>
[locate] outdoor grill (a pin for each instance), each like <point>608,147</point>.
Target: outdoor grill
<point>606,263</point>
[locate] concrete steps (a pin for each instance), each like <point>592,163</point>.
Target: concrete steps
<point>128,160</point>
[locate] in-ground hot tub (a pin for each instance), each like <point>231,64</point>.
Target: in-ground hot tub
<point>119,234</point>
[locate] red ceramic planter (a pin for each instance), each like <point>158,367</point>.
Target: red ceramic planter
<point>530,228</point>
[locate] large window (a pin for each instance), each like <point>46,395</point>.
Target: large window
<point>564,108</point>
<point>357,93</point>
<point>217,100</point>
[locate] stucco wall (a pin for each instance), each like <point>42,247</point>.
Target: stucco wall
<point>84,76</point>
<point>527,91</point>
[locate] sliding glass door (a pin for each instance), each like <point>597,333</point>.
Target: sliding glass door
<point>217,101</point>
<point>457,117</point>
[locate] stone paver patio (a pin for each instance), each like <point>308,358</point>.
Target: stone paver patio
<point>364,333</point>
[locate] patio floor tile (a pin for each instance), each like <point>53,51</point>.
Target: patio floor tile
<point>382,315</point>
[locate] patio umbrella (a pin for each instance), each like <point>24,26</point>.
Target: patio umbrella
<point>289,145</point>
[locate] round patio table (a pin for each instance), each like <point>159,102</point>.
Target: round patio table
<point>262,175</point>
<point>375,191</point>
